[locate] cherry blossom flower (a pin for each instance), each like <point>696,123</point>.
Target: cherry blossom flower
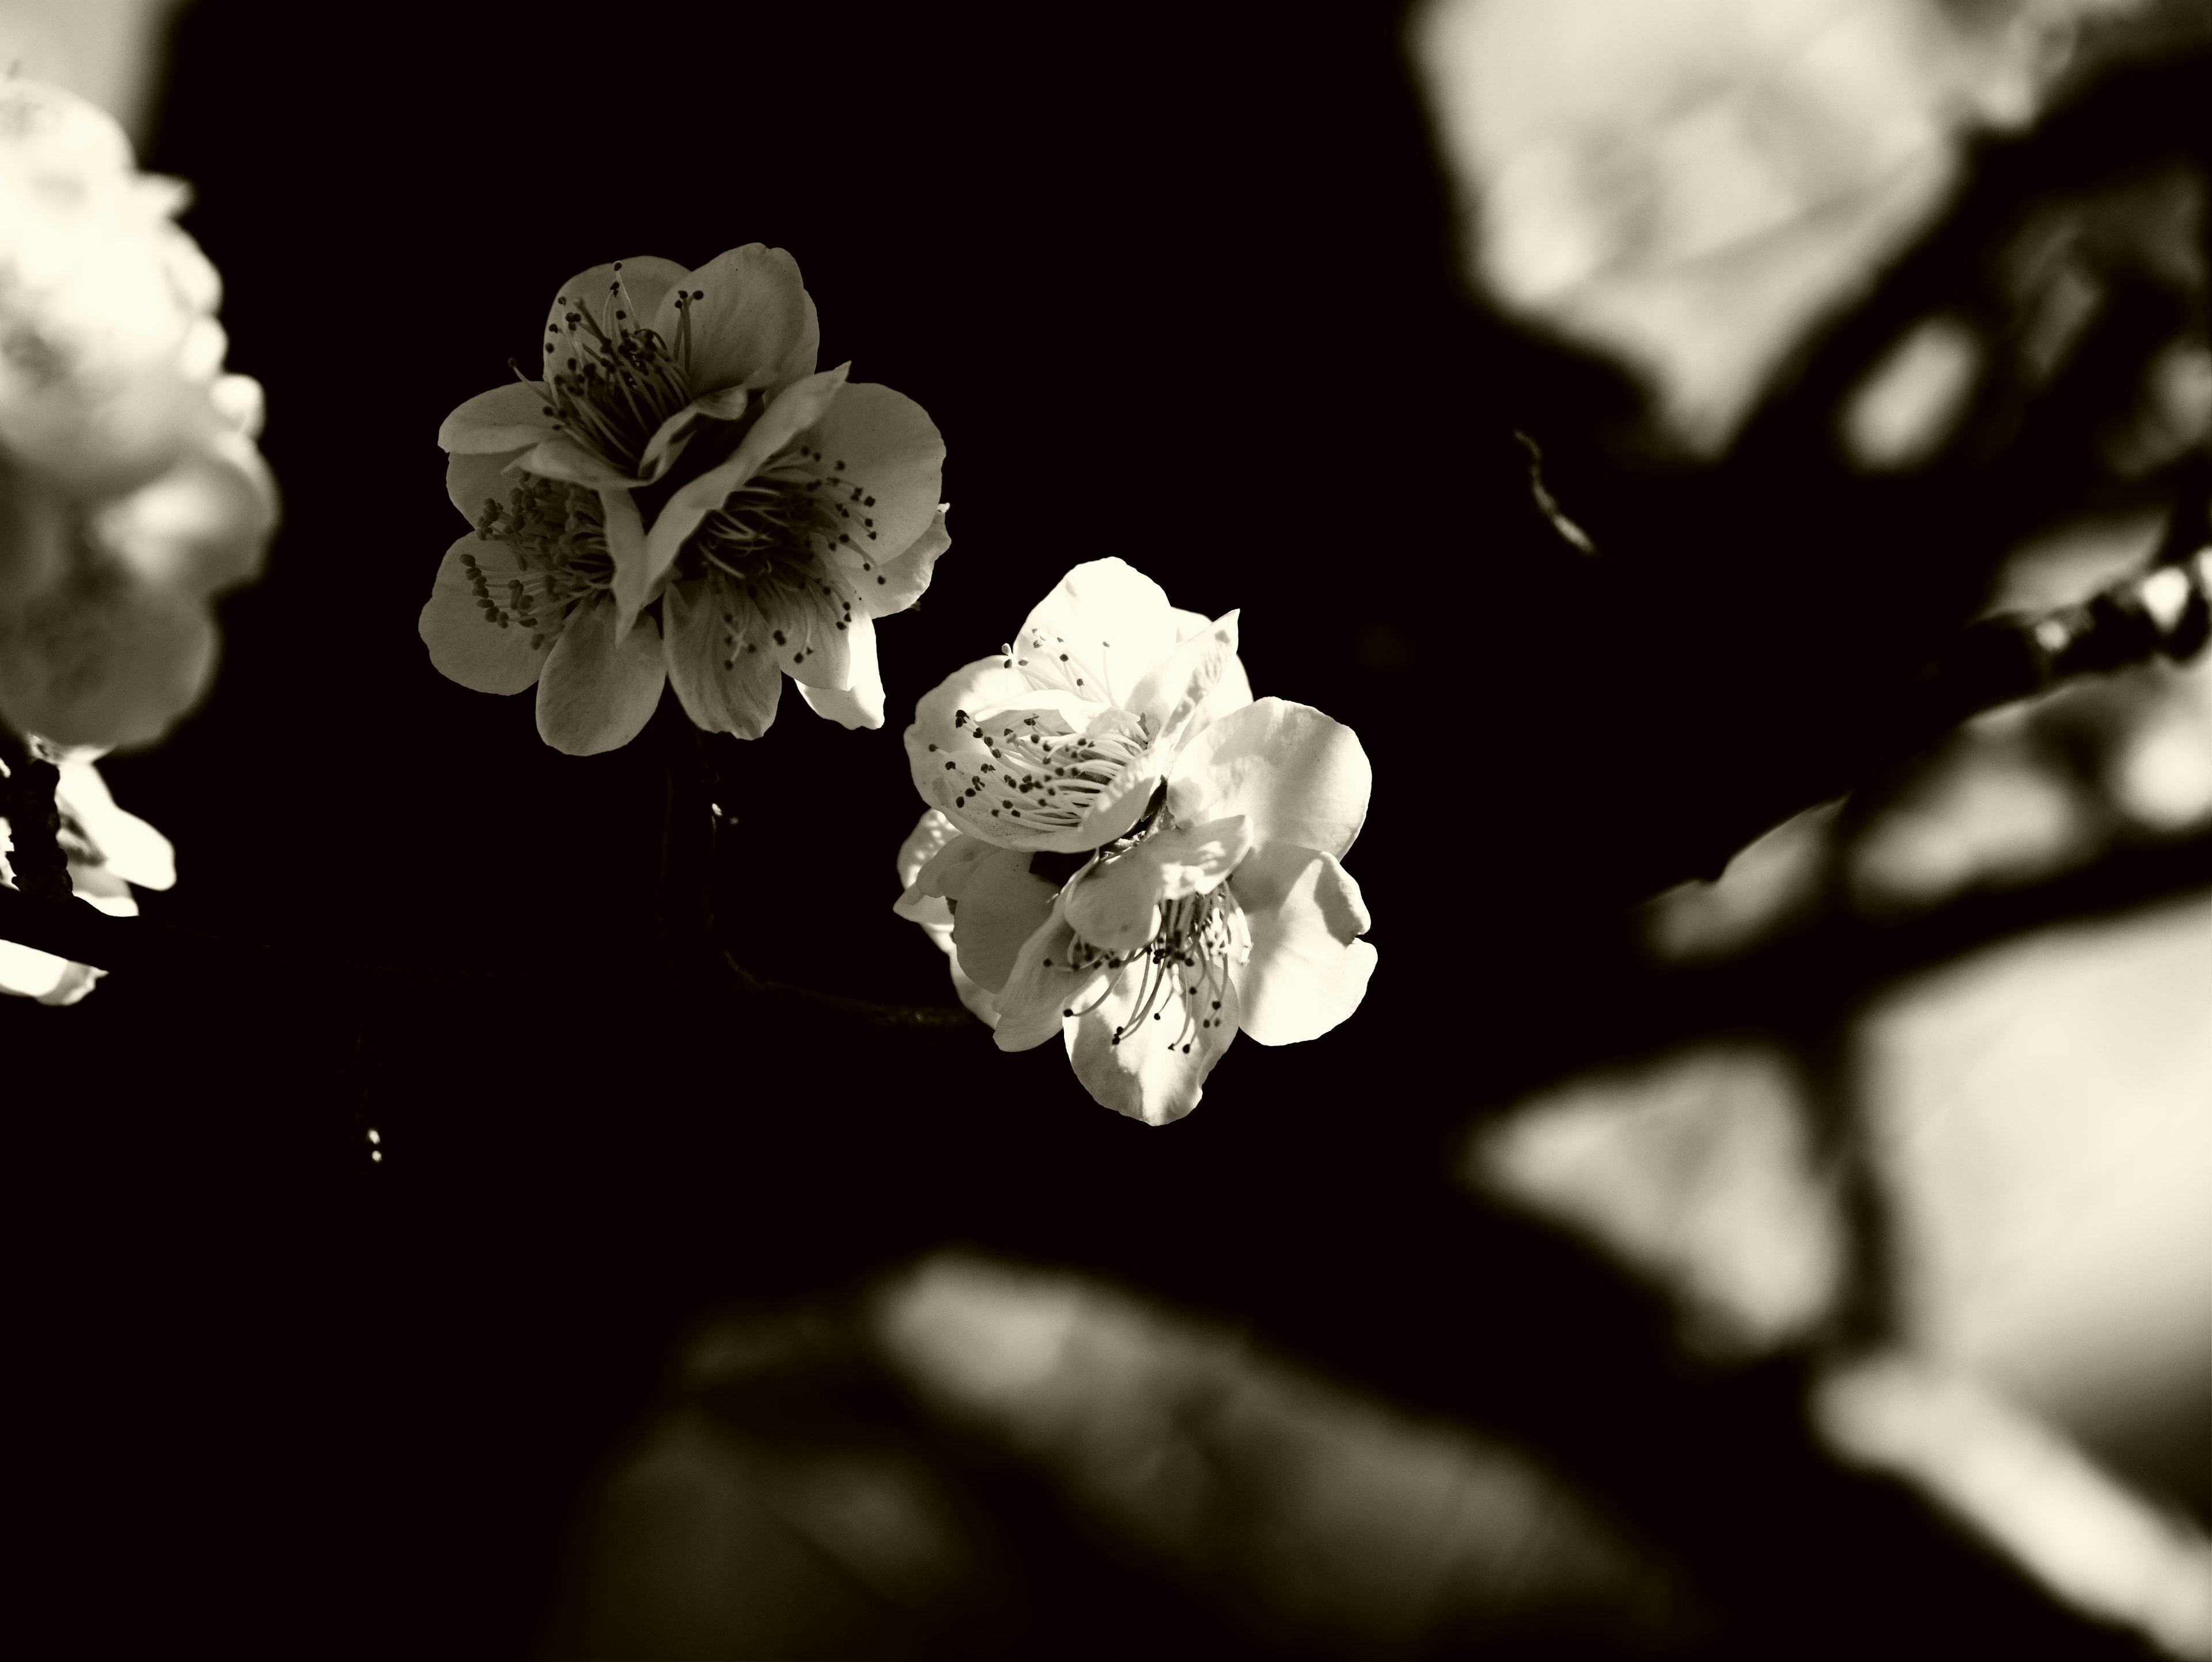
<point>108,850</point>
<point>1059,740</point>
<point>1189,885</point>
<point>131,490</point>
<point>683,499</point>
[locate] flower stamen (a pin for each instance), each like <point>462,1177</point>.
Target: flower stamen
<point>1048,779</point>
<point>1187,958</point>
<point>612,391</point>
<point>1050,664</point>
<point>555,532</point>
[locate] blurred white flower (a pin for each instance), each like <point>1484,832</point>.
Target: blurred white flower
<point>1694,185</point>
<point>683,454</point>
<point>1214,828</point>
<point>131,490</point>
<point>108,851</point>
<point>1696,1170</point>
<point>108,344</point>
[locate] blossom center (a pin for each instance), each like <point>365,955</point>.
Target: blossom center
<point>556,536</point>
<point>1186,961</point>
<point>790,541</point>
<point>1041,772</point>
<point>611,391</point>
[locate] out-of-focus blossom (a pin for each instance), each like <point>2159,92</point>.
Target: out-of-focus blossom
<point>108,850</point>
<point>131,490</point>
<point>1994,812</point>
<point>1696,1170</point>
<point>2160,773</point>
<point>108,342</point>
<point>1694,185</point>
<point>2039,1116</point>
<point>1306,1514</point>
<point>1913,399</point>
<point>2024,1487</point>
<point>113,641</point>
<point>1211,829</point>
<point>110,52</point>
<point>683,498</point>
<point>1776,883</point>
<point>1333,1522</point>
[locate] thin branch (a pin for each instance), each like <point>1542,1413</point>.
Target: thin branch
<point>27,803</point>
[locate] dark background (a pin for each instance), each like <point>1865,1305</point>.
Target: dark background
<point>1174,288</point>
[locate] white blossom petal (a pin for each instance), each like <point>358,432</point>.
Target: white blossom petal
<point>465,645</point>
<point>509,417</point>
<point>559,457</point>
<point>816,624</point>
<point>1113,621</point>
<point>723,686</point>
<point>1151,1065</point>
<point>1173,692</point>
<point>981,1002</point>
<point>751,318</point>
<point>625,529</point>
<point>1041,986</point>
<point>1308,970</point>
<point>474,480</point>
<point>798,363</point>
<point>1299,777</point>
<point>932,835</point>
<point>944,874</point>
<point>886,469</point>
<point>860,704</point>
<point>670,439</point>
<point>1116,903</point>
<point>998,906</point>
<point>1232,692</point>
<point>596,693</point>
<point>129,848</point>
<point>28,973</point>
<point>898,582</point>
